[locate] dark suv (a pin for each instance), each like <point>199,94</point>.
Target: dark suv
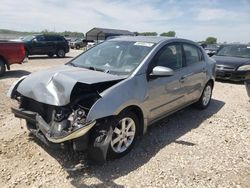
<point>46,45</point>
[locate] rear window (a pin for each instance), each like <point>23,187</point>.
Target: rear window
<point>192,54</point>
<point>54,38</point>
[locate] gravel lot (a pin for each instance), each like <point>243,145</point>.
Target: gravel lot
<point>191,148</point>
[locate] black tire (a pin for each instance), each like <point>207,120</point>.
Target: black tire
<point>204,100</point>
<point>2,67</point>
<point>77,47</point>
<point>50,55</point>
<point>60,53</point>
<point>101,148</point>
<point>112,154</point>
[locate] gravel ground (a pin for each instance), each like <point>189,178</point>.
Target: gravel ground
<point>191,148</point>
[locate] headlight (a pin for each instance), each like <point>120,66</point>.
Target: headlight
<point>244,68</point>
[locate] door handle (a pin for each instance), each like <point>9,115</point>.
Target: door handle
<point>185,76</point>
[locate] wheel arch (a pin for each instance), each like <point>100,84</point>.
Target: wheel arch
<point>212,82</point>
<point>139,113</point>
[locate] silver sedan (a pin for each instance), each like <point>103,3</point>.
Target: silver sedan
<point>102,100</point>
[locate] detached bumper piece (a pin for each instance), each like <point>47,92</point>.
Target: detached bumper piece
<point>45,128</point>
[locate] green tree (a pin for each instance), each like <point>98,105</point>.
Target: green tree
<point>148,34</point>
<point>168,34</point>
<point>211,40</point>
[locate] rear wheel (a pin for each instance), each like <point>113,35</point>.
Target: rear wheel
<point>205,98</point>
<point>77,47</point>
<point>2,67</point>
<point>60,53</point>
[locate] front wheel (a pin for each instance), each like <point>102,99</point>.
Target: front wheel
<point>205,98</point>
<point>124,135</point>
<point>114,139</point>
<point>60,53</point>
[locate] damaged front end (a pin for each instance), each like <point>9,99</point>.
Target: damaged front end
<point>59,124</point>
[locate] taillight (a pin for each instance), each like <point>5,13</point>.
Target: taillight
<point>23,49</point>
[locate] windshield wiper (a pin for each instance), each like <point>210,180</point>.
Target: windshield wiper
<point>96,69</point>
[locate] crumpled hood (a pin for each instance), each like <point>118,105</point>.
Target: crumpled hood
<point>54,86</point>
<point>231,61</point>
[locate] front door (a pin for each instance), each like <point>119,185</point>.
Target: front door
<point>38,45</point>
<point>165,94</point>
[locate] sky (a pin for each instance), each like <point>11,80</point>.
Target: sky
<point>227,20</point>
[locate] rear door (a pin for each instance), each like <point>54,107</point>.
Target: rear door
<point>50,44</point>
<point>194,78</point>
<point>164,94</point>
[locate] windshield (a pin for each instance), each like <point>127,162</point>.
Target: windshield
<point>28,38</point>
<point>235,51</point>
<point>114,57</point>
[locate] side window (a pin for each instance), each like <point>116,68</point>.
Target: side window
<point>40,38</point>
<point>50,38</point>
<point>170,56</point>
<point>58,38</point>
<point>192,54</point>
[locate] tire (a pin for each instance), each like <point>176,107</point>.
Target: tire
<point>205,98</point>
<point>50,54</point>
<point>120,135</point>
<point>2,67</point>
<point>104,144</point>
<point>60,53</point>
<point>77,47</point>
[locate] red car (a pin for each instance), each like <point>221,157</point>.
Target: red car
<point>11,53</point>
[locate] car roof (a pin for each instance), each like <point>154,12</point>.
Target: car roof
<point>153,39</point>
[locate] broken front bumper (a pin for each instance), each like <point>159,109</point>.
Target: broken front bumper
<point>45,128</point>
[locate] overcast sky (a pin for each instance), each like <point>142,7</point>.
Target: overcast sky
<point>228,20</point>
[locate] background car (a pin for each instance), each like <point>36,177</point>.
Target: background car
<point>77,44</point>
<point>11,53</point>
<point>46,45</point>
<point>211,49</point>
<point>105,98</point>
<point>233,62</point>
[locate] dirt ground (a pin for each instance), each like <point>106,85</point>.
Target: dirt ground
<point>191,148</point>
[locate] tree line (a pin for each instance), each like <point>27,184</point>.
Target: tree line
<point>24,33</point>
<point>164,34</point>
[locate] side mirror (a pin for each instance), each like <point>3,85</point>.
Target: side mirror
<point>34,40</point>
<point>160,71</point>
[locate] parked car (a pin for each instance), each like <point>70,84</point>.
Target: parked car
<point>233,62</point>
<point>247,83</point>
<point>211,49</point>
<point>77,43</point>
<point>46,45</point>
<point>102,100</point>
<point>11,53</point>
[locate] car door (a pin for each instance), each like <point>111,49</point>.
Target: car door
<point>38,45</point>
<point>164,94</point>
<point>50,42</point>
<point>194,77</point>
